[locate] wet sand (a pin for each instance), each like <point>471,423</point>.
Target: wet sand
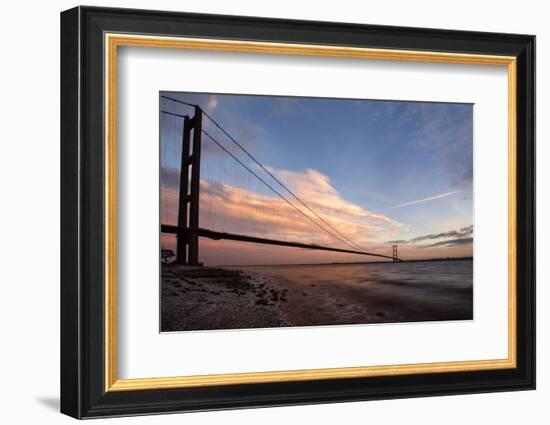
<point>274,296</point>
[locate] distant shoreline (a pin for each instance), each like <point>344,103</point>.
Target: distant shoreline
<point>351,262</point>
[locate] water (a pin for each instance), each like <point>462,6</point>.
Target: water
<point>373,293</point>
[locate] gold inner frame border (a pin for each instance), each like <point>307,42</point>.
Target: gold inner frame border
<point>111,43</point>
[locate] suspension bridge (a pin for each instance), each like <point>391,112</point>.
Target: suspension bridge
<point>257,207</point>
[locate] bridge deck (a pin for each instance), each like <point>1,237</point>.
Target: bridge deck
<point>168,228</point>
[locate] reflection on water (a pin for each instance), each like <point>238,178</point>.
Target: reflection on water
<point>374,293</point>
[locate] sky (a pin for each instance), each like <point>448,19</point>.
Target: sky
<point>360,174</point>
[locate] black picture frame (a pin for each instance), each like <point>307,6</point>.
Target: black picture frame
<point>83,392</point>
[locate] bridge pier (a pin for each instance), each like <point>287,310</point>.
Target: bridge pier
<point>187,251</point>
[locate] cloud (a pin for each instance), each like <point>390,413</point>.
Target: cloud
<point>445,131</point>
<point>169,177</point>
<point>431,198</point>
<point>317,189</point>
<point>289,106</point>
<point>212,103</point>
<point>452,136</point>
<point>453,233</point>
<point>450,242</point>
<point>234,209</point>
<point>248,134</point>
<point>461,234</point>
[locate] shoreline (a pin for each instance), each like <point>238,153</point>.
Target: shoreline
<point>208,298</point>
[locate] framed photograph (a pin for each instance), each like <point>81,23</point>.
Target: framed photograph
<point>261,212</point>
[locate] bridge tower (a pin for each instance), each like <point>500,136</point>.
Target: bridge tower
<point>187,251</point>
<point>395,257</point>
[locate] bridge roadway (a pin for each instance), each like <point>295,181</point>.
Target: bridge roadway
<point>168,228</point>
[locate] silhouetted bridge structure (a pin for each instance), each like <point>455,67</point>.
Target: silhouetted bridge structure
<point>188,231</point>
